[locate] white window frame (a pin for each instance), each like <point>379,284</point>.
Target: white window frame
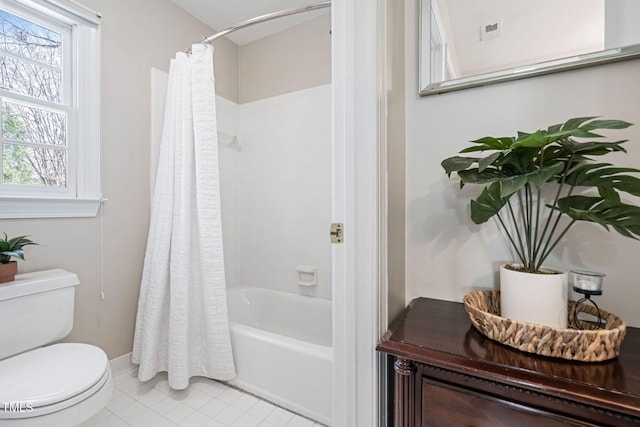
<point>83,195</point>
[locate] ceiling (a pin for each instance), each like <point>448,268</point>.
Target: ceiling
<point>221,14</point>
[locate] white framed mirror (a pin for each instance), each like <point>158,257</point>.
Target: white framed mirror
<point>468,43</point>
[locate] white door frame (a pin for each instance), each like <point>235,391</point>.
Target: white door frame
<point>359,273</point>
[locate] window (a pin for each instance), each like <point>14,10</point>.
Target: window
<point>49,109</point>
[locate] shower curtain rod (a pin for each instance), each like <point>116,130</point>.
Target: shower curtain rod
<point>264,18</point>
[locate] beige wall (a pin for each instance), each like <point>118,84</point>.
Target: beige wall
<point>225,63</point>
<point>446,254</point>
<point>291,60</point>
<point>395,157</point>
<point>136,35</point>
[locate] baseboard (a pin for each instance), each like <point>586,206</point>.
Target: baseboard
<point>121,364</point>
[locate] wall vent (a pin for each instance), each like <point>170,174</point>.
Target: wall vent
<point>491,30</point>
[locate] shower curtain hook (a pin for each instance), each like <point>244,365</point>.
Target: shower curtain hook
<point>204,43</point>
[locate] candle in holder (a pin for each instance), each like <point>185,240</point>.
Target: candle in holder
<point>589,281</point>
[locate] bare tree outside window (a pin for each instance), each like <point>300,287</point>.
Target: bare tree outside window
<point>34,133</point>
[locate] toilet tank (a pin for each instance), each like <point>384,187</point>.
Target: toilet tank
<point>36,309</point>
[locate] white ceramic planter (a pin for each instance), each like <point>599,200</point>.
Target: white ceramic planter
<point>534,298</point>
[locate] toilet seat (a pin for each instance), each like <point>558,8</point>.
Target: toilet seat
<point>50,379</point>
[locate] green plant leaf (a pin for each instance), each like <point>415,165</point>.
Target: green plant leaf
<point>520,161</point>
<point>577,203</point>
<point>556,152</point>
<point>13,247</point>
<point>592,148</point>
<point>534,140</point>
<point>487,161</point>
<point>558,136</point>
<point>609,124</point>
<point>19,242</point>
<point>603,175</point>
<point>457,163</point>
<point>544,175</point>
<point>510,185</point>
<point>18,253</point>
<point>609,194</point>
<point>476,148</point>
<point>581,133</point>
<point>576,122</point>
<point>624,218</point>
<point>487,204</point>
<point>581,127</point>
<point>489,143</point>
<point>554,128</point>
<point>487,176</point>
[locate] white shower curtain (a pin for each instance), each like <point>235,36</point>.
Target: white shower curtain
<point>182,325</point>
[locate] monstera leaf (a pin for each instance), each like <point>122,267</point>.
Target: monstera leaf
<point>516,171</point>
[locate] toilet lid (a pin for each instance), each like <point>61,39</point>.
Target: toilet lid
<point>51,374</point>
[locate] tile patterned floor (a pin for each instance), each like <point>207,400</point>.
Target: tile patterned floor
<point>205,403</point>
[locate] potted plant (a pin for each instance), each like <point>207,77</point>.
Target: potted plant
<point>11,248</point>
<point>537,186</point>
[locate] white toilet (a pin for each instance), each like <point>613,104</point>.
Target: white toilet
<point>47,385</point>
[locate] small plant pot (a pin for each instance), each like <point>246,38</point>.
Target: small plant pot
<point>8,271</point>
<point>534,298</point>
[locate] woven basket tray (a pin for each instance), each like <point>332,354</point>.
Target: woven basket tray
<point>596,345</point>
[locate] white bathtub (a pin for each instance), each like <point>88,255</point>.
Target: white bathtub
<point>282,349</point>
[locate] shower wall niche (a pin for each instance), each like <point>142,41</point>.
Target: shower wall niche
<point>276,179</point>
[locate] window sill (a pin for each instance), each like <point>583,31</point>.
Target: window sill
<point>40,207</point>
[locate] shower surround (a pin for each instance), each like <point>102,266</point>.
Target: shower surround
<point>276,211</point>
<point>276,190</point>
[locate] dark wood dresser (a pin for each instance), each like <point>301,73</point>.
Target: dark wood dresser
<point>448,374</point>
